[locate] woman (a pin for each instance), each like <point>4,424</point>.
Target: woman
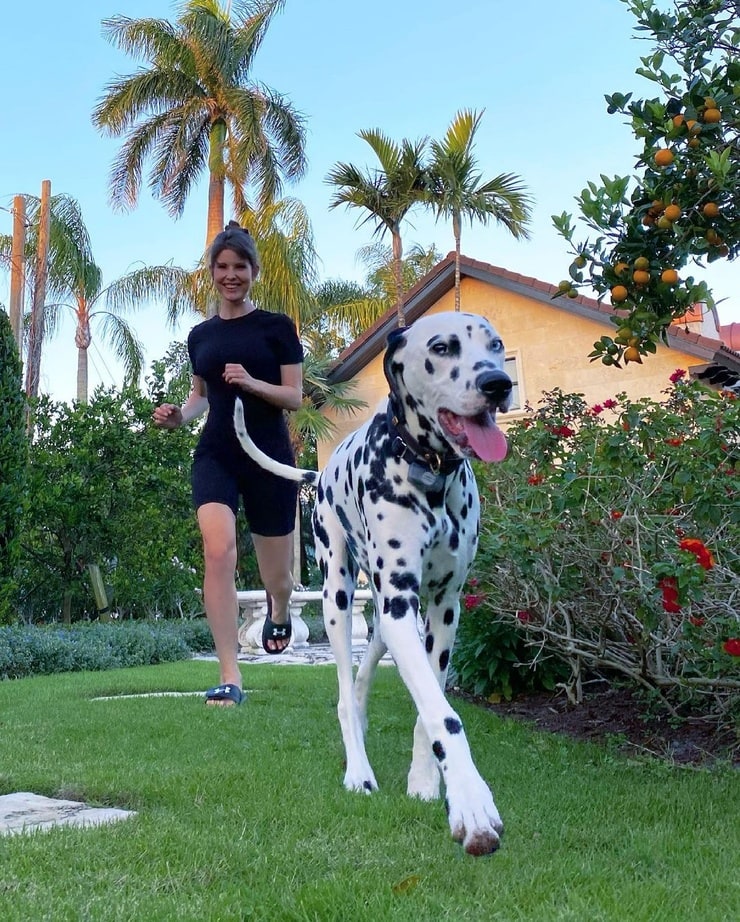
<point>256,355</point>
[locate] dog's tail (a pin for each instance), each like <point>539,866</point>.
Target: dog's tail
<point>265,461</point>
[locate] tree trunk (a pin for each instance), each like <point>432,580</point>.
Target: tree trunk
<point>456,231</point>
<point>36,336</point>
<point>216,187</point>
<point>398,273</point>
<point>18,270</point>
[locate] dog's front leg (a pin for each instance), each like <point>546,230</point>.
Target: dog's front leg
<point>473,817</point>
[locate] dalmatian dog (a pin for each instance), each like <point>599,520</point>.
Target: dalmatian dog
<point>398,500</point>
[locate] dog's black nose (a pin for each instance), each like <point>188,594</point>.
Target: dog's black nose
<point>496,385</point>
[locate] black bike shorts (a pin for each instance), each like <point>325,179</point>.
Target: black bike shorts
<point>269,501</point>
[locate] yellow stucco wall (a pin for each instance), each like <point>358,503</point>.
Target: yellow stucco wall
<point>551,347</point>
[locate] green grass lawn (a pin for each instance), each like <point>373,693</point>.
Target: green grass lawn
<point>241,813</point>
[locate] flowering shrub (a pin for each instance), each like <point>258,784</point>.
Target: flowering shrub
<point>610,539</point>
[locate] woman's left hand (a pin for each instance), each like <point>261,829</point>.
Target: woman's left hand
<point>239,376</point>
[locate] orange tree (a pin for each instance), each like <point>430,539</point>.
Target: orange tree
<point>682,206</point>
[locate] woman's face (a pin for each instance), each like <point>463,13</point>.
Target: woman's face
<point>232,275</point>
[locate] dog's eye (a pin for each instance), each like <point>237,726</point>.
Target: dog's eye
<point>439,348</point>
<point>497,345</point>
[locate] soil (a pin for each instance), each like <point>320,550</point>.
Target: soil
<point>620,718</point>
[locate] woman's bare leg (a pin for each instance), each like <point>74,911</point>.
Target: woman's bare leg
<point>218,528</point>
<point>275,562</point>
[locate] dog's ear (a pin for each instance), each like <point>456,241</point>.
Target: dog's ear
<point>396,338</point>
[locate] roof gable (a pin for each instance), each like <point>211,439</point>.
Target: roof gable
<point>441,279</point>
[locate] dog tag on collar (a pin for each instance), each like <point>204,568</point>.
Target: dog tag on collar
<point>422,476</point>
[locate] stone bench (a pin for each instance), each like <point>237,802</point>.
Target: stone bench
<point>253,608</point>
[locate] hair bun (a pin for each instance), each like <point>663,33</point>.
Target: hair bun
<point>234,226</point>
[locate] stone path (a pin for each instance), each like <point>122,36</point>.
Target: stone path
<point>25,812</point>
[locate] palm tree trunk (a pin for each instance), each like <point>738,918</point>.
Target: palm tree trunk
<point>83,338</point>
<point>398,273</point>
<point>456,230</point>
<point>82,375</point>
<point>216,187</point>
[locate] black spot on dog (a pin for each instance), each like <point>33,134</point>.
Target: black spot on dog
<point>399,607</point>
<point>444,660</point>
<point>429,643</point>
<point>428,367</point>
<point>341,600</point>
<point>439,750</point>
<point>449,616</point>
<point>405,582</point>
<point>453,725</point>
<point>394,543</point>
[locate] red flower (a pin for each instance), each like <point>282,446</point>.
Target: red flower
<point>677,375</point>
<point>564,431</point>
<point>669,588</point>
<point>674,442</point>
<point>473,601</point>
<point>616,514</point>
<point>596,409</point>
<point>610,404</point>
<point>702,553</point>
<point>535,480</point>
<point>525,617</point>
<point>473,581</point>
<point>732,646</point>
<point>697,622</point>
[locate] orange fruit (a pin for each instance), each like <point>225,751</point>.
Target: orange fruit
<point>632,354</point>
<point>669,276</point>
<point>664,223</point>
<point>663,157</point>
<point>710,210</point>
<point>712,116</point>
<point>640,277</point>
<point>648,220</point>
<point>678,120</point>
<point>709,103</point>
<point>694,143</point>
<point>657,207</point>
<point>620,267</point>
<point>713,237</point>
<point>693,126</point>
<point>619,294</point>
<point>673,212</point>
<point>723,250</point>
<point>642,262</point>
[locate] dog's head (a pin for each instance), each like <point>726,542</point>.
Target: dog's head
<point>446,373</point>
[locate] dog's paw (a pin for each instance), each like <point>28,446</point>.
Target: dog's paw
<point>475,822</point>
<point>361,785</point>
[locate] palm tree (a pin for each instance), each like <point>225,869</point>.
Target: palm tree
<point>195,110</point>
<point>75,283</point>
<point>387,194</point>
<point>457,190</point>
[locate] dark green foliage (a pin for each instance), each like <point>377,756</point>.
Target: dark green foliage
<point>13,464</point>
<point>108,488</point>
<point>491,657</point>
<point>26,651</point>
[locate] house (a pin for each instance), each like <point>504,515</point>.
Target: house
<point>547,343</point>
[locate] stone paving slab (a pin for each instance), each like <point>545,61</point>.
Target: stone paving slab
<point>25,812</point>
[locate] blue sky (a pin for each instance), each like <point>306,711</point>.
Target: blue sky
<point>539,70</point>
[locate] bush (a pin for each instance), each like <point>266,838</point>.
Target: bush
<point>26,651</point>
<point>13,464</point>
<point>611,539</point>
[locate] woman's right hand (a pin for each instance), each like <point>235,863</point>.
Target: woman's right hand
<point>167,416</point>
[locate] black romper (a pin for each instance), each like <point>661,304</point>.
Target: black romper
<point>260,341</point>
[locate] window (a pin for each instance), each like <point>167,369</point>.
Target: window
<point>512,370</point>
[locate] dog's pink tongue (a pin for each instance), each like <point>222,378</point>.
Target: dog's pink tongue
<point>488,442</point>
